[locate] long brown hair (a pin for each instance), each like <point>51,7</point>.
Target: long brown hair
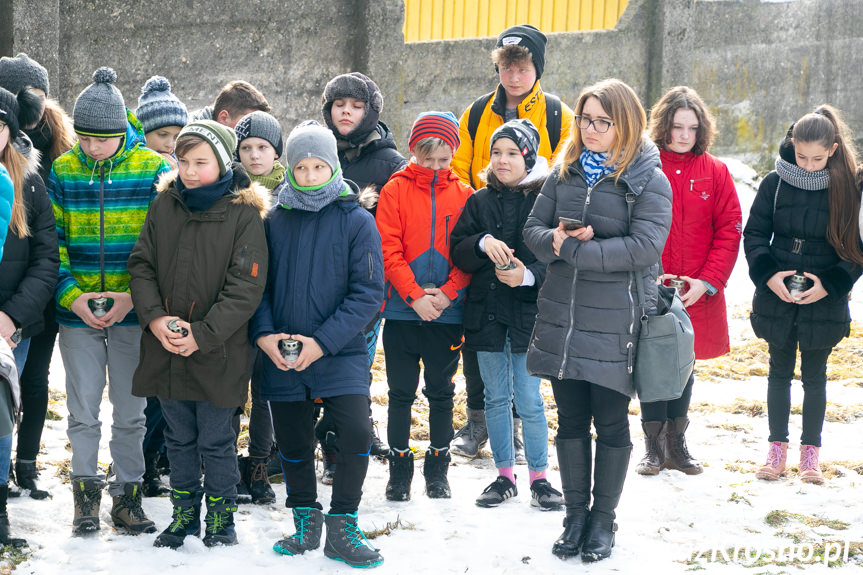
<point>825,126</point>
<point>60,125</point>
<point>662,118</point>
<point>18,168</point>
<point>621,104</point>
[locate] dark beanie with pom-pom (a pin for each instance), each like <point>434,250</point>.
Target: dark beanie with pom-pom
<point>159,107</point>
<point>100,110</point>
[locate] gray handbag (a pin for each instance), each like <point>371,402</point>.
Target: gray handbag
<point>665,353</point>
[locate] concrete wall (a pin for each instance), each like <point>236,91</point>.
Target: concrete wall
<point>758,65</point>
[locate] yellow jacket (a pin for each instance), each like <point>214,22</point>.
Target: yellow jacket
<point>472,156</point>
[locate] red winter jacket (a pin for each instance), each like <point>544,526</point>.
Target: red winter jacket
<point>704,240</point>
<point>417,210</point>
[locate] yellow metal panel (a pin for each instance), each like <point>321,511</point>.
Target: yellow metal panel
<point>445,19</point>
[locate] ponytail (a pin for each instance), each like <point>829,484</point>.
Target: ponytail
<point>826,127</point>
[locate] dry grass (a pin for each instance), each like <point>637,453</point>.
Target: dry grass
<point>780,517</point>
<point>389,528</point>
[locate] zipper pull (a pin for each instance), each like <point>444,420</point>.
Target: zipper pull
<point>691,185</point>
<point>560,374</point>
<point>629,357</point>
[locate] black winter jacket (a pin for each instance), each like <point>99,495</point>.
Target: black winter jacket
<point>493,308</point>
<point>28,271</point>
<point>770,247</point>
<point>587,326</point>
<point>373,161</point>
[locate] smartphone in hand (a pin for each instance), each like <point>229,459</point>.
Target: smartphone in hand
<point>571,223</point>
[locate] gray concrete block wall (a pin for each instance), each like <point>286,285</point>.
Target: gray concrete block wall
<point>758,65</point>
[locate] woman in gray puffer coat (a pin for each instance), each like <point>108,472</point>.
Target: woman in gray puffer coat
<point>587,326</point>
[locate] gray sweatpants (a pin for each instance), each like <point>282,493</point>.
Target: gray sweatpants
<point>87,352</point>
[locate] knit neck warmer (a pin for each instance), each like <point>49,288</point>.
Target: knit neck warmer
<point>310,199</point>
<point>273,179</point>
<point>800,178</point>
<point>201,199</point>
<point>353,148</point>
<point>594,166</point>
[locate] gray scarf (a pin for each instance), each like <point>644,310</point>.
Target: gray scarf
<point>800,178</point>
<point>310,199</point>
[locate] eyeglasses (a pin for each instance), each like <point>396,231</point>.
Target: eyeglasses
<point>601,126</point>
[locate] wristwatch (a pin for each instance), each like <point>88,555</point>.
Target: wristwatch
<point>16,336</point>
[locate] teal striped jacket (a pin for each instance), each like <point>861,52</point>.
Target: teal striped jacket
<point>100,207</point>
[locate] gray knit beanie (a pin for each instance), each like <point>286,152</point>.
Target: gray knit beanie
<point>158,107</point>
<point>100,110</point>
<point>262,125</point>
<point>221,139</point>
<point>21,71</point>
<point>311,140</point>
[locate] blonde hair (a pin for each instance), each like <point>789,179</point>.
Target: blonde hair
<point>621,104</point>
<point>18,166</point>
<point>60,125</point>
<point>426,146</point>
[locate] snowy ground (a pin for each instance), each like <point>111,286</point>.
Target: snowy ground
<point>664,520</point>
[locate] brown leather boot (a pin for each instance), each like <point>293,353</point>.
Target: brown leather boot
<point>654,445</point>
<point>676,453</point>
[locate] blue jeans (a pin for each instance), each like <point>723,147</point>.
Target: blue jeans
<point>20,353</point>
<point>506,378</point>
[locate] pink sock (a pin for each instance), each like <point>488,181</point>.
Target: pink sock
<point>534,475</point>
<point>506,472</point>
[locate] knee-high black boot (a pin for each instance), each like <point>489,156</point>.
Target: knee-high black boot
<point>574,459</point>
<point>608,477</point>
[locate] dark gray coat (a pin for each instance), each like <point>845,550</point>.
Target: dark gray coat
<point>587,326</point>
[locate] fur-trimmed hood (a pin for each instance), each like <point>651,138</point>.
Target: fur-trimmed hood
<point>246,191</point>
<point>34,157</point>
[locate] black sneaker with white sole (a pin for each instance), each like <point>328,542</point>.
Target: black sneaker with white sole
<point>499,491</point>
<point>544,496</point>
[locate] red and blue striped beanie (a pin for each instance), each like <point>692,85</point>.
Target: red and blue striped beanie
<point>443,125</point>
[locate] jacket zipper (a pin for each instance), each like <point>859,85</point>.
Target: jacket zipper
<point>371,266</point>
<point>242,260</point>
<point>433,218</point>
<point>569,330</point>
<point>446,238</point>
<point>102,226</point>
<point>631,324</point>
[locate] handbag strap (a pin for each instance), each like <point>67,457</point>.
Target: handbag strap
<point>630,201</point>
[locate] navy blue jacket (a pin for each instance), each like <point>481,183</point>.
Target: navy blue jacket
<point>325,280</point>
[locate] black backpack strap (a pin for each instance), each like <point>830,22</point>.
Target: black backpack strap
<point>476,110</point>
<point>553,113</point>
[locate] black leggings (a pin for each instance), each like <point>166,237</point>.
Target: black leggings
<point>662,410</point>
<point>294,426</point>
<point>579,402</point>
<point>34,388</point>
<point>813,367</point>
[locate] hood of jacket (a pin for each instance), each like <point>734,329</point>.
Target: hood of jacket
<point>244,190</point>
<point>424,176</point>
<point>25,147</point>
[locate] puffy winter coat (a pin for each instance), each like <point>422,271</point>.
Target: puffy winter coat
<point>99,209</point>
<point>704,240</point>
<point>417,210</point>
<point>209,268</point>
<point>28,270</point>
<point>326,281</point>
<point>373,161</point>
<point>473,156</point>
<point>493,309</point>
<point>792,236</point>
<point>587,326</point>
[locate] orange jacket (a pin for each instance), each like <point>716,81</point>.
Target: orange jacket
<point>416,213</point>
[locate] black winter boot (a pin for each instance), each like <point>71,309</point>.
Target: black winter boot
<point>574,459</point>
<point>435,469</point>
<point>219,522</point>
<point>469,439</point>
<point>401,475</point>
<point>127,513</point>
<point>330,455</point>
<point>87,495</point>
<point>608,478</point>
<point>151,483</point>
<point>378,447</point>
<point>309,525</point>
<point>676,453</point>
<point>243,495</point>
<point>4,522</point>
<point>258,481</point>
<point>654,447</point>
<point>186,519</point>
<point>346,542</point>
<point>25,475</point>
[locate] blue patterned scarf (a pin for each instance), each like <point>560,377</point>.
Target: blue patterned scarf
<point>594,166</point>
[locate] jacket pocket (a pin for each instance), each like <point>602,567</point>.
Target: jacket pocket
<point>247,263</point>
